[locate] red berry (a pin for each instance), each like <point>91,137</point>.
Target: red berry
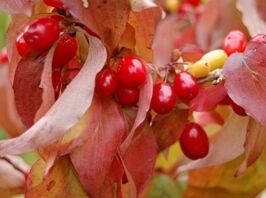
<point>131,72</point>
<point>22,47</point>
<point>106,82</point>
<point>3,57</point>
<point>163,98</point>
<point>235,41</point>
<point>194,141</point>
<point>65,50</point>
<point>259,38</point>
<point>41,34</point>
<point>54,3</point>
<point>128,96</point>
<point>186,86</point>
<point>194,2</point>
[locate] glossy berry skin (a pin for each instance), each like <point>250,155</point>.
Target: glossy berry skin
<point>22,47</point>
<point>259,38</point>
<point>163,98</point>
<point>194,141</point>
<point>186,86</point>
<point>194,2</point>
<point>54,3</point>
<point>235,41</point>
<point>106,82</point>
<point>42,33</point>
<point>65,50</point>
<point>128,96</point>
<point>131,71</point>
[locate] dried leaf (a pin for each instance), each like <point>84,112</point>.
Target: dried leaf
<point>67,110</point>
<point>139,5</point>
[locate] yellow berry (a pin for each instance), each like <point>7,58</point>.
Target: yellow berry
<point>172,5</point>
<point>199,69</point>
<point>215,59</point>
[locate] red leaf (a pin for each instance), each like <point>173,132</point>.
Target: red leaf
<point>66,111</point>
<point>163,42</point>
<point>208,97</point>
<point>28,95</point>
<point>245,80</point>
<point>214,25</point>
<point>93,160</point>
<point>140,157</point>
<point>145,23</point>
<point>17,6</point>
<point>168,128</point>
<point>227,144</point>
<point>253,22</point>
<point>254,144</point>
<point>9,118</point>
<point>107,18</point>
<point>211,117</point>
<point>144,107</point>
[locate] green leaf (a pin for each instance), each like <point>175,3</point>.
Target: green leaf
<point>4,22</point>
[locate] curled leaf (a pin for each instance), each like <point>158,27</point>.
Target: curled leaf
<point>144,107</point>
<point>17,6</point>
<point>67,110</point>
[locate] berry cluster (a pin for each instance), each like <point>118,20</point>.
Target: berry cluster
<point>42,34</point>
<point>131,74</point>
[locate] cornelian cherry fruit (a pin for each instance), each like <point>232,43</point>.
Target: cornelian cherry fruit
<point>106,82</point>
<point>259,38</point>
<point>128,96</point>
<point>194,141</point>
<point>163,98</point>
<point>186,86</point>
<point>65,50</point>
<point>42,33</point>
<point>54,3</point>
<point>235,41</point>
<point>22,47</point>
<point>131,71</point>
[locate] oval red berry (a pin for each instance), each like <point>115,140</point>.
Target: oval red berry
<point>194,141</point>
